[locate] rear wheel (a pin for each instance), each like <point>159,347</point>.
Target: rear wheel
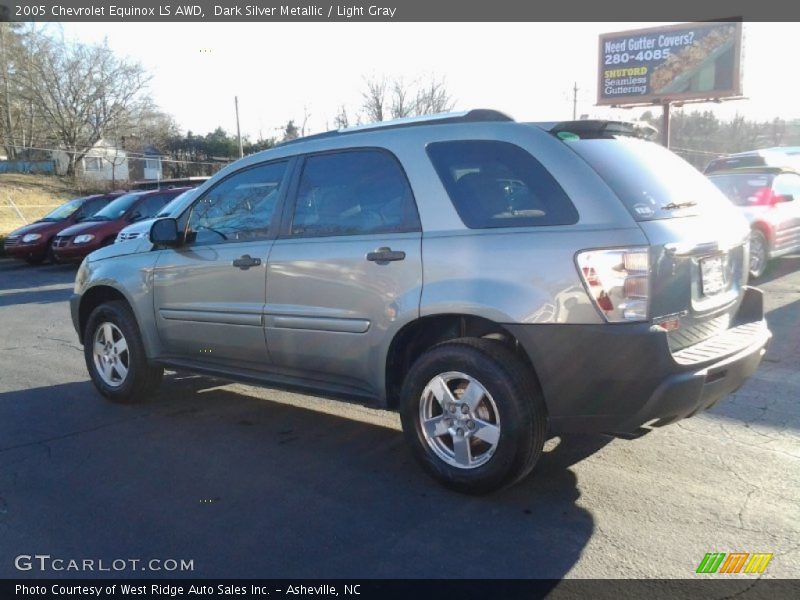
<point>473,415</point>
<point>115,355</point>
<point>759,254</point>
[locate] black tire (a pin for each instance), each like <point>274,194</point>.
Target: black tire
<point>50,256</point>
<point>758,240</point>
<point>35,260</point>
<point>142,379</point>
<point>518,400</point>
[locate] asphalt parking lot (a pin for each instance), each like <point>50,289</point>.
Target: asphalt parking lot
<point>252,482</point>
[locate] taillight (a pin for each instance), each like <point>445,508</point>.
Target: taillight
<point>618,280</point>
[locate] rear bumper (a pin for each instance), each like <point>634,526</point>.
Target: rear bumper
<point>616,378</point>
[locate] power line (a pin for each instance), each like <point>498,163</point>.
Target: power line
<point>127,155</point>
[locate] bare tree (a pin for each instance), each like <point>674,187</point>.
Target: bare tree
<point>401,103</point>
<point>12,117</point>
<point>374,100</point>
<point>404,100</point>
<point>341,120</point>
<point>433,98</point>
<point>81,91</point>
<point>306,116</point>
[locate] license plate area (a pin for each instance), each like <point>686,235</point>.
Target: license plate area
<point>712,275</point>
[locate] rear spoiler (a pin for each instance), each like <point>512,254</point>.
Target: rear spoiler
<point>594,129</point>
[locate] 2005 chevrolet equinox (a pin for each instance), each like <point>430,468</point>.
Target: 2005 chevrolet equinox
<point>493,281</point>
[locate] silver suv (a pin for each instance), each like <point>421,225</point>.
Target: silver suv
<point>493,281</point>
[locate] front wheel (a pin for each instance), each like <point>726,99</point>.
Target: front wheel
<point>115,356</point>
<point>473,415</point>
<point>759,254</point>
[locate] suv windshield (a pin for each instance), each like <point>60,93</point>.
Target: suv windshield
<point>64,211</point>
<point>116,209</point>
<point>651,181</point>
<point>744,189</point>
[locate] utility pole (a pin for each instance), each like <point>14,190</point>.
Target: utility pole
<point>665,124</point>
<point>238,131</point>
<point>575,101</point>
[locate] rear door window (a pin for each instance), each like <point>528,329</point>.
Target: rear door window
<point>651,181</point>
<point>498,184</point>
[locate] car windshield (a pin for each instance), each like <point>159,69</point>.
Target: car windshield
<point>651,181</point>
<point>744,189</point>
<point>116,209</point>
<point>176,205</point>
<point>64,211</point>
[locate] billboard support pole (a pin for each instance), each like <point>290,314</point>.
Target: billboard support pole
<point>665,124</point>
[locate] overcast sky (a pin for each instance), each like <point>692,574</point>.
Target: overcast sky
<point>524,69</point>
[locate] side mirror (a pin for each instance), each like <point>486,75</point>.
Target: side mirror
<point>164,232</point>
<point>137,216</point>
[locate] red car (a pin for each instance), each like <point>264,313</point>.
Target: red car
<point>32,242</point>
<point>74,243</point>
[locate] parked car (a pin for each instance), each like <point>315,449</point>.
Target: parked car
<point>492,281</point>
<point>769,198</point>
<point>32,242</point>
<point>75,242</point>
<point>778,156</point>
<point>142,228</point>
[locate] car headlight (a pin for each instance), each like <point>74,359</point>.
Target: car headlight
<point>83,239</point>
<point>31,237</point>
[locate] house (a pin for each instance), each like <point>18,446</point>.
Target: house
<point>146,165</point>
<point>104,162</point>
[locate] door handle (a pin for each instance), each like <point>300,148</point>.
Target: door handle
<point>385,255</point>
<point>246,261</point>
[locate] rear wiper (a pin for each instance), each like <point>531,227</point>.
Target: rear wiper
<point>676,205</point>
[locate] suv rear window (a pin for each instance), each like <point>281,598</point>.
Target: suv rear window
<point>743,189</point>
<point>651,181</point>
<point>498,184</point>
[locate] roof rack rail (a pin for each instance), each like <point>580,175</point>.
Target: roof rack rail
<point>476,115</point>
<point>597,128</point>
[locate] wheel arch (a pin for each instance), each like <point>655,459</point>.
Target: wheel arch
<point>766,230</point>
<point>94,297</point>
<point>417,336</point>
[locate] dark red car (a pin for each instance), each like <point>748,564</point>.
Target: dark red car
<point>32,242</point>
<point>75,242</point>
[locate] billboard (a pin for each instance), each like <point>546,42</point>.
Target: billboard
<point>676,62</point>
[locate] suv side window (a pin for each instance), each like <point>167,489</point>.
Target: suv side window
<point>354,192</point>
<point>240,207</point>
<point>498,184</point>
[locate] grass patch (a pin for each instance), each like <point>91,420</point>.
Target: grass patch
<point>36,195</point>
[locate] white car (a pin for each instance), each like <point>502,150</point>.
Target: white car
<point>769,198</point>
<point>141,228</point>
